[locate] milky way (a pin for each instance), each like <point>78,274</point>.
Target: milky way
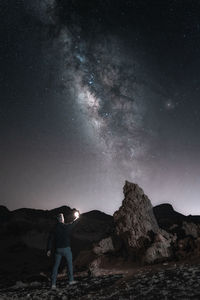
<point>109,99</point>
<point>109,88</point>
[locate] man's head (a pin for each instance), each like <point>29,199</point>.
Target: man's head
<point>60,218</point>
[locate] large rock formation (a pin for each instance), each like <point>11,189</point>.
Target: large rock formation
<point>136,225</point>
<point>134,221</point>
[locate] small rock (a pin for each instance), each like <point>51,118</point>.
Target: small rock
<point>35,284</point>
<point>19,284</point>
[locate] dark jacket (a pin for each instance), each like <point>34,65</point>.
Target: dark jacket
<point>60,235</point>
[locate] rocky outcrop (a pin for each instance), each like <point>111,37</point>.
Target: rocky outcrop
<point>136,225</point>
<point>186,228</point>
<point>161,248</point>
<point>104,246</point>
<point>185,248</point>
<point>134,221</point>
<point>89,260</point>
<point>191,229</point>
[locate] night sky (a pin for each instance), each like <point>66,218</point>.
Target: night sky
<point>94,93</point>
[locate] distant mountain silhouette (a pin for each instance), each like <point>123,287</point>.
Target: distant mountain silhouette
<point>166,216</point>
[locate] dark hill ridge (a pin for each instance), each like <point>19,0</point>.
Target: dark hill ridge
<point>161,211</point>
<point>26,213</point>
<point>166,210</point>
<point>24,219</point>
<point>166,216</point>
<point>4,213</point>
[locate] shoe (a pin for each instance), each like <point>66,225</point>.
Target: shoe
<point>72,282</point>
<point>53,287</point>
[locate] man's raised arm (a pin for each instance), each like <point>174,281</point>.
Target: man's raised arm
<point>75,221</point>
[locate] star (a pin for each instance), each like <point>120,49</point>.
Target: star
<point>169,105</point>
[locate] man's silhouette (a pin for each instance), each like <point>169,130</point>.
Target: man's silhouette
<point>61,236</point>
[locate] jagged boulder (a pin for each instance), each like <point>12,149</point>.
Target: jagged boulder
<point>161,249</point>
<point>104,246</point>
<point>83,260</point>
<point>89,259</point>
<point>134,221</point>
<point>95,266</point>
<point>185,247</point>
<point>191,229</point>
<point>136,225</point>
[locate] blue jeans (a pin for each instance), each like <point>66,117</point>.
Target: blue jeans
<point>67,253</point>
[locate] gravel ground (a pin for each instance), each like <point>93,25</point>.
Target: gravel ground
<point>173,282</point>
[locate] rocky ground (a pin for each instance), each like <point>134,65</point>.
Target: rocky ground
<point>168,281</point>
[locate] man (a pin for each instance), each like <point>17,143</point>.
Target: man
<point>61,236</point>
